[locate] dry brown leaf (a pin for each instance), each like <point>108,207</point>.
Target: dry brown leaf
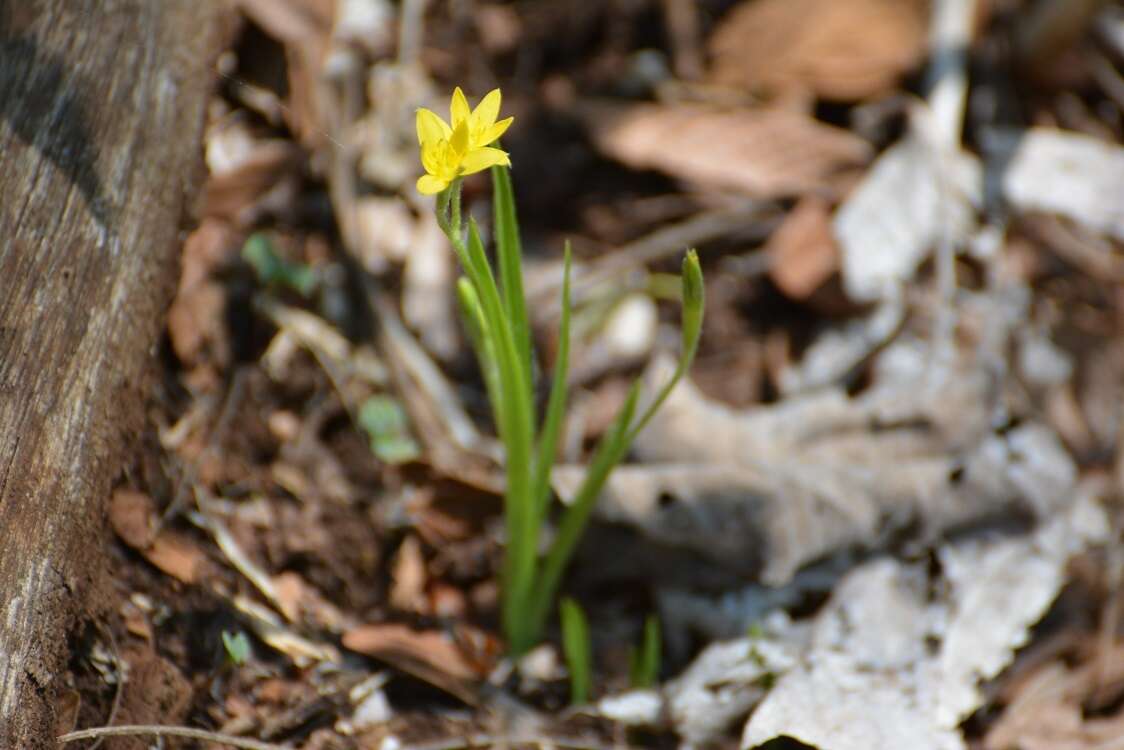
<point>407,590</point>
<point>803,249</point>
<point>762,152</point>
<point>1048,707</point>
<point>265,179</point>
<point>833,49</point>
<point>290,21</point>
<point>130,514</point>
<point>430,655</point>
<point>178,556</point>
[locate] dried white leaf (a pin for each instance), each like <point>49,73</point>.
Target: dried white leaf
<point>897,658</point>
<point>767,490</point>
<point>1072,175</point>
<point>729,678</point>
<point>914,195</point>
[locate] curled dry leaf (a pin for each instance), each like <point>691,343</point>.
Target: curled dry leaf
<point>834,50</point>
<point>762,152</point>
<point>816,474</point>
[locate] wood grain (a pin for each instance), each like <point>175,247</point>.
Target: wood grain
<point>102,108</point>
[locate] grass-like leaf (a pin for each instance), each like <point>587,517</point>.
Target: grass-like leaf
<point>644,663</point>
<point>556,405</point>
<point>576,647</point>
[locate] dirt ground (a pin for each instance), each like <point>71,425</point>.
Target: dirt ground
<point>882,513</point>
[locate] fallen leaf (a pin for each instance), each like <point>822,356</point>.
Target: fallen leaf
<point>408,577</point>
<point>762,152</point>
<point>1072,175</point>
<point>897,656</point>
<point>177,555</point>
<point>433,651</point>
<point>836,50</point>
<point>131,514</point>
<point>913,196</point>
<point>803,250</point>
<point>819,473</point>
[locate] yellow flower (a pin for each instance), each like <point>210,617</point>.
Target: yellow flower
<point>449,151</point>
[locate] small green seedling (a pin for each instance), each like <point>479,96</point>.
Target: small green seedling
<point>576,648</point>
<point>644,662</point>
<point>272,269</point>
<point>237,647</point>
<point>384,421</point>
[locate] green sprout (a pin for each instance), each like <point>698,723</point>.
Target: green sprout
<point>644,662</point>
<point>495,316</point>
<point>237,647</point>
<point>576,648</point>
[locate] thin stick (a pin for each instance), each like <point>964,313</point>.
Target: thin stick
<point>488,740</point>
<point>133,730</point>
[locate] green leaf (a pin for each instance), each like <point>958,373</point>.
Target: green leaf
<point>576,647</point>
<point>610,450</point>
<point>556,405</point>
<point>272,269</point>
<point>384,420</point>
<point>644,667</point>
<point>515,410</point>
<point>483,342</point>
<point>694,307</point>
<point>237,647</point>
<point>509,254</point>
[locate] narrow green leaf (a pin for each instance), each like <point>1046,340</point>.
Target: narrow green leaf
<point>694,307</point>
<point>483,343</point>
<point>523,522</point>
<point>556,405</point>
<point>576,647</point>
<point>644,668</point>
<point>610,450</point>
<point>509,253</point>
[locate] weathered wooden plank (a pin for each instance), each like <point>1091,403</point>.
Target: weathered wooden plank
<point>101,114</point>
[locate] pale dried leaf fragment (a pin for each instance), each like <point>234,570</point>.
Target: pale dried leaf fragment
<point>764,153</point>
<point>1068,174</point>
<point>834,50</point>
<point>913,196</point>
<point>731,677</point>
<point>897,657</point>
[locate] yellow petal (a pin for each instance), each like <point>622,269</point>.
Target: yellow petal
<point>431,154</point>
<point>458,108</point>
<point>430,185</point>
<point>492,133</point>
<point>459,139</point>
<point>486,111</point>
<point>479,159</point>
<point>431,127</point>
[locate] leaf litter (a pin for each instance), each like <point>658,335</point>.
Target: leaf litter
<point>877,547</point>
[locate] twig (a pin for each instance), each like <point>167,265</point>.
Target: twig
<point>666,241</point>
<point>488,740</point>
<point>134,730</point>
